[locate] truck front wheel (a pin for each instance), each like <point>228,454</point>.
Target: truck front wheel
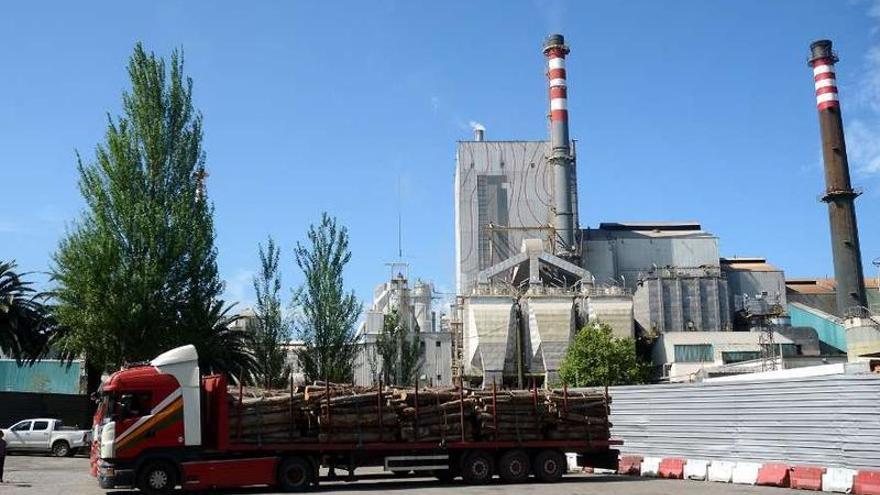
<point>295,474</point>
<point>61,449</point>
<point>157,478</point>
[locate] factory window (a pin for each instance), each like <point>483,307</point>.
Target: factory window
<point>730,357</point>
<point>694,353</point>
<point>437,344</point>
<point>787,350</point>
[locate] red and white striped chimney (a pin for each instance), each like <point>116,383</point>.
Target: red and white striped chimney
<point>555,50</point>
<point>826,81</point>
<point>560,152</point>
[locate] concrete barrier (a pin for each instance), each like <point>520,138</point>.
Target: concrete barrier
<point>651,466</point>
<point>838,480</point>
<point>774,475</point>
<point>867,483</point>
<point>721,471</point>
<point>806,477</point>
<point>672,468</point>
<point>630,464</point>
<point>746,473</point>
<point>696,469</point>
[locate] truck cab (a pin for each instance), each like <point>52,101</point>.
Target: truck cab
<point>148,417</point>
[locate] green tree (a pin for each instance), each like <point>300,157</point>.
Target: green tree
<point>597,358</point>
<point>327,314</point>
<point>270,330</point>
<point>400,351</point>
<point>137,272</point>
<point>25,323</point>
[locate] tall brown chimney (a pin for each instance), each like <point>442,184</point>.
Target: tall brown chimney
<point>839,194</point>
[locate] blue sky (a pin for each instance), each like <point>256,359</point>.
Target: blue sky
<point>684,110</point>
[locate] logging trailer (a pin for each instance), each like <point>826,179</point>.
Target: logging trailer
<point>161,425</point>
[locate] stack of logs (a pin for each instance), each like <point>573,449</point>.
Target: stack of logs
<point>333,413</point>
<point>435,415</point>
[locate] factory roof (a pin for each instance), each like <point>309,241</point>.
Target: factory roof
<point>747,264</point>
<point>647,229</point>
<point>821,285</point>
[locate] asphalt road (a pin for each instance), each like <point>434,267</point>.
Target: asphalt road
<point>38,475</point>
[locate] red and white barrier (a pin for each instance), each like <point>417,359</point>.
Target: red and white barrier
<point>746,473</point>
<point>672,468</point>
<point>828,479</point>
<point>721,471</point>
<point>651,466</point>
<point>867,483</point>
<point>807,477</point>
<point>774,475</point>
<point>838,480</point>
<point>696,469</point>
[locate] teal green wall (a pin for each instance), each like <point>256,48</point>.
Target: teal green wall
<point>48,376</point>
<point>830,332</point>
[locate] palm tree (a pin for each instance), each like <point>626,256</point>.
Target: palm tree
<point>222,348</point>
<point>24,319</point>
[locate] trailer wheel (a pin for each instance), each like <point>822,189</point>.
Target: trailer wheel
<point>157,478</point>
<point>514,466</point>
<point>549,465</point>
<point>295,474</point>
<point>477,468</point>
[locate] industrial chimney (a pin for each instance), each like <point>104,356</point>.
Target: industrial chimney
<point>839,194</point>
<point>560,153</point>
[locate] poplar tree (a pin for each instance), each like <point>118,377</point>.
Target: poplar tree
<point>327,313</point>
<point>270,329</point>
<point>137,272</point>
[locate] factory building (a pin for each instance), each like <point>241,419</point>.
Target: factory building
<point>414,306</point>
<point>528,276</point>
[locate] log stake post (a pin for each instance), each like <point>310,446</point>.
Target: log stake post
<point>416,435</point>
<point>565,398</point>
<point>240,404</point>
<point>461,406</point>
<point>535,404</point>
<point>495,408</point>
<point>379,407</point>
<point>327,393</point>
<point>290,403</point>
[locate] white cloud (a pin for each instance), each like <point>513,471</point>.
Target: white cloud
<point>239,289</point>
<point>863,127</point>
<point>435,103</point>
<point>864,147</point>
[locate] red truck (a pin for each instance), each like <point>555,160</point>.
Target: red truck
<point>162,425</point>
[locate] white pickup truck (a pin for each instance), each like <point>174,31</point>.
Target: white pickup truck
<point>45,435</point>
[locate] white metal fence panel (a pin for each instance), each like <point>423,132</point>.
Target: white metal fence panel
<point>826,420</point>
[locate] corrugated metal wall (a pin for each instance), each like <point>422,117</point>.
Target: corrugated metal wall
<point>829,421</point>
<point>48,376</point>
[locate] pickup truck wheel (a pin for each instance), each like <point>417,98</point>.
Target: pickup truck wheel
<point>477,468</point>
<point>61,449</point>
<point>514,466</point>
<point>549,465</point>
<point>157,478</point>
<point>295,474</point>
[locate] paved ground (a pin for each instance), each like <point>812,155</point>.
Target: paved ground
<point>37,475</point>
